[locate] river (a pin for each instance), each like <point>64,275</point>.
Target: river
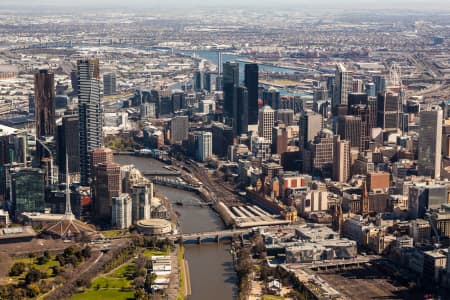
<point>210,265</point>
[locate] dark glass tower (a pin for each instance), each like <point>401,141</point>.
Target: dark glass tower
<point>230,82</point>
<point>251,83</point>
<point>241,113</point>
<point>90,114</point>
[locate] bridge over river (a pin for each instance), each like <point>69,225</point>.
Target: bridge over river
<point>212,236</point>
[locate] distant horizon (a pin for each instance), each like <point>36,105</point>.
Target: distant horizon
<point>130,5</point>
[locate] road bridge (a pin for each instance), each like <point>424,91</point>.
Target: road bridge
<point>213,236</point>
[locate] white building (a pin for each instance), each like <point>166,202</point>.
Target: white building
<point>204,149</point>
<point>261,148</point>
<point>142,195</point>
<point>266,120</point>
<point>121,211</point>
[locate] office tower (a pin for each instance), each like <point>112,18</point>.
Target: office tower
<point>219,83</point>
<point>266,120</point>
<point>90,114</point>
<point>341,160</point>
<point>388,111</point>
<point>349,128</point>
<point>44,100</point>
<point>230,82</point>
<point>178,101</point>
<point>199,81</point>
<point>286,116</point>
<point>109,84</point>
<point>102,155</point>
<point>370,89</point>
<point>179,129</point>
<point>322,154</point>
<point>279,139</point>
<point>251,82</point>
<point>357,98</point>
<point>207,81</point>
<point>204,149</point>
<point>219,63</point>
<point>163,102</point>
<point>241,111</point>
<point>28,190</point>
<point>261,148</point>
<point>310,124</point>
<point>367,113</point>
<point>74,81</point>
<point>271,97</point>
<point>222,138</point>
<point>320,94</point>
<point>430,142</point>
<point>121,212</point>
<point>357,86</point>
<point>343,85</point>
<point>106,186</point>
<point>68,141</point>
<point>142,195</point>
<point>380,84</point>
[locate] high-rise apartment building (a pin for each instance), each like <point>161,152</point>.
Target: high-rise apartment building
<point>430,142</point>
<point>142,195</point>
<point>90,114</point>
<point>251,83</point>
<point>266,120</point>
<point>179,129</point>
<point>44,97</point>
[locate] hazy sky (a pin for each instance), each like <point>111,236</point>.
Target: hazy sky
<point>131,4</point>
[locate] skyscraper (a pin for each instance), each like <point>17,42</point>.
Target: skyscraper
<point>90,114</point>
<point>343,86</point>
<point>349,128</point>
<point>179,129</point>
<point>230,82</point>
<point>241,111</point>
<point>28,190</point>
<point>68,141</point>
<point>121,211</point>
<point>341,159</point>
<point>204,150</point>
<point>266,120</point>
<point>109,84</point>
<point>251,83</point>
<point>142,195</point>
<point>44,97</point>
<point>430,142</point>
<point>106,186</point>
<point>388,111</point>
<point>310,124</point>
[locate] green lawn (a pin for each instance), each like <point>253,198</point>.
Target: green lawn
<point>109,286</point>
<point>151,252</point>
<point>47,267</point>
<point>113,233</point>
<point>182,288</point>
<point>104,295</point>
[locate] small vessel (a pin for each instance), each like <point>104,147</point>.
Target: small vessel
<point>179,203</point>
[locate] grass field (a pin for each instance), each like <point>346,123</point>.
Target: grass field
<point>113,233</point>
<point>151,252</point>
<point>111,285</point>
<point>104,295</point>
<point>31,262</point>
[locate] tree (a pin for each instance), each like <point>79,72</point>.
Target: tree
<point>33,290</point>
<point>139,294</point>
<point>17,269</point>
<point>86,252</point>
<point>139,282</point>
<point>42,260</point>
<point>149,281</point>
<point>34,275</point>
